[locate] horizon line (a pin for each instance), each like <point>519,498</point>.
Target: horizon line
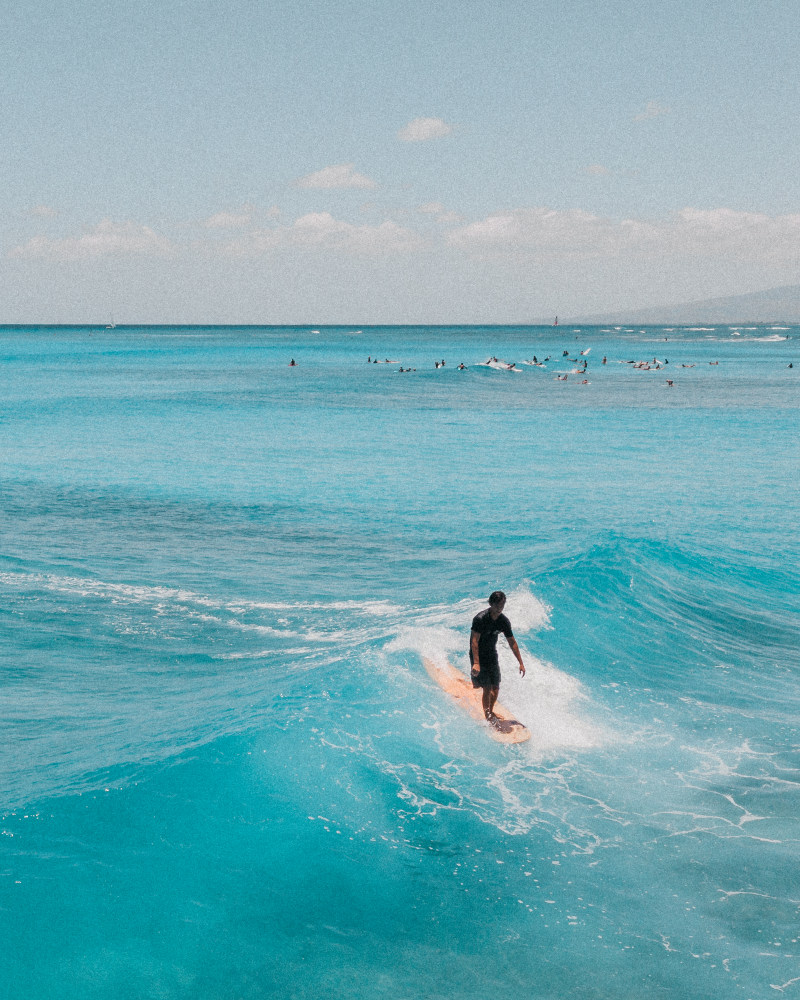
<point>373,326</point>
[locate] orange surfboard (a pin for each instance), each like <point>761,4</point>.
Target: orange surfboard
<point>507,729</point>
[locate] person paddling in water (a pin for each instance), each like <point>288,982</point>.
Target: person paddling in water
<point>486,627</point>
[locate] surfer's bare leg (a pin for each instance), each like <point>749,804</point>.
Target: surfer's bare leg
<point>489,698</point>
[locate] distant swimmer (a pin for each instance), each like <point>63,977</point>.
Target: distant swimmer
<point>292,363</point>
<point>485,667</point>
<point>605,360</point>
<point>462,367</point>
<point>562,378</point>
<point>670,382</point>
<point>790,365</point>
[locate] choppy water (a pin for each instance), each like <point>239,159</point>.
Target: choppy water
<point>224,771</point>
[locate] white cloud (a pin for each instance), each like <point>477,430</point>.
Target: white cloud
<point>544,236</point>
<point>107,238</point>
<point>440,213</point>
<point>597,170</point>
<point>431,208</point>
<point>229,220</point>
<point>692,233</point>
<point>320,230</point>
<point>44,212</point>
<point>652,110</point>
<point>737,234</point>
<point>422,129</point>
<point>532,229</point>
<point>342,175</point>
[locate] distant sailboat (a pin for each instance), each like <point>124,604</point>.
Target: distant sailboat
<point>112,325</point>
<point>556,321</point>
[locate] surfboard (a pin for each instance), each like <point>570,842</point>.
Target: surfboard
<point>507,729</point>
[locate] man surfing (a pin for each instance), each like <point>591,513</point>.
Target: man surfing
<point>486,626</point>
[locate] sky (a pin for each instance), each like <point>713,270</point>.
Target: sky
<point>190,161</point>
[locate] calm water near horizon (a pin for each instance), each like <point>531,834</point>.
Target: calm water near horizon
<point>224,771</point>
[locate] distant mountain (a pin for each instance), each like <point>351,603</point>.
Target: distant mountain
<point>775,305</point>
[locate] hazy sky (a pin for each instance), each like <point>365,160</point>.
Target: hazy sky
<point>353,162</point>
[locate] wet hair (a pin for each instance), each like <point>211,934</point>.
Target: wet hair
<point>496,597</point>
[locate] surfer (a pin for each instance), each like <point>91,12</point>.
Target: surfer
<point>486,626</point>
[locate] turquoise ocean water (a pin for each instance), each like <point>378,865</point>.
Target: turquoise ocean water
<point>224,771</point>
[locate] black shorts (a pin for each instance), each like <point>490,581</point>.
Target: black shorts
<point>489,677</point>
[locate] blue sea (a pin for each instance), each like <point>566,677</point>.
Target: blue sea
<point>224,770</point>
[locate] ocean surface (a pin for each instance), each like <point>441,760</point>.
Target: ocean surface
<point>224,771</point>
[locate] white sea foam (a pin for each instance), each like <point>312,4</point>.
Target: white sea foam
<point>552,703</point>
<point>140,593</point>
<point>769,339</point>
<point>375,608</point>
<point>526,611</point>
<point>430,641</point>
<point>439,629</point>
<point>262,629</point>
<point>261,654</point>
<point>86,587</point>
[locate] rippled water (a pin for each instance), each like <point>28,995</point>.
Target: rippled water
<point>224,770</point>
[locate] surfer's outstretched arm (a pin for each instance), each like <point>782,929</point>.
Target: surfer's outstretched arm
<point>515,650</point>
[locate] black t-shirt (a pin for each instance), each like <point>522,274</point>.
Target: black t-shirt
<point>488,630</point>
